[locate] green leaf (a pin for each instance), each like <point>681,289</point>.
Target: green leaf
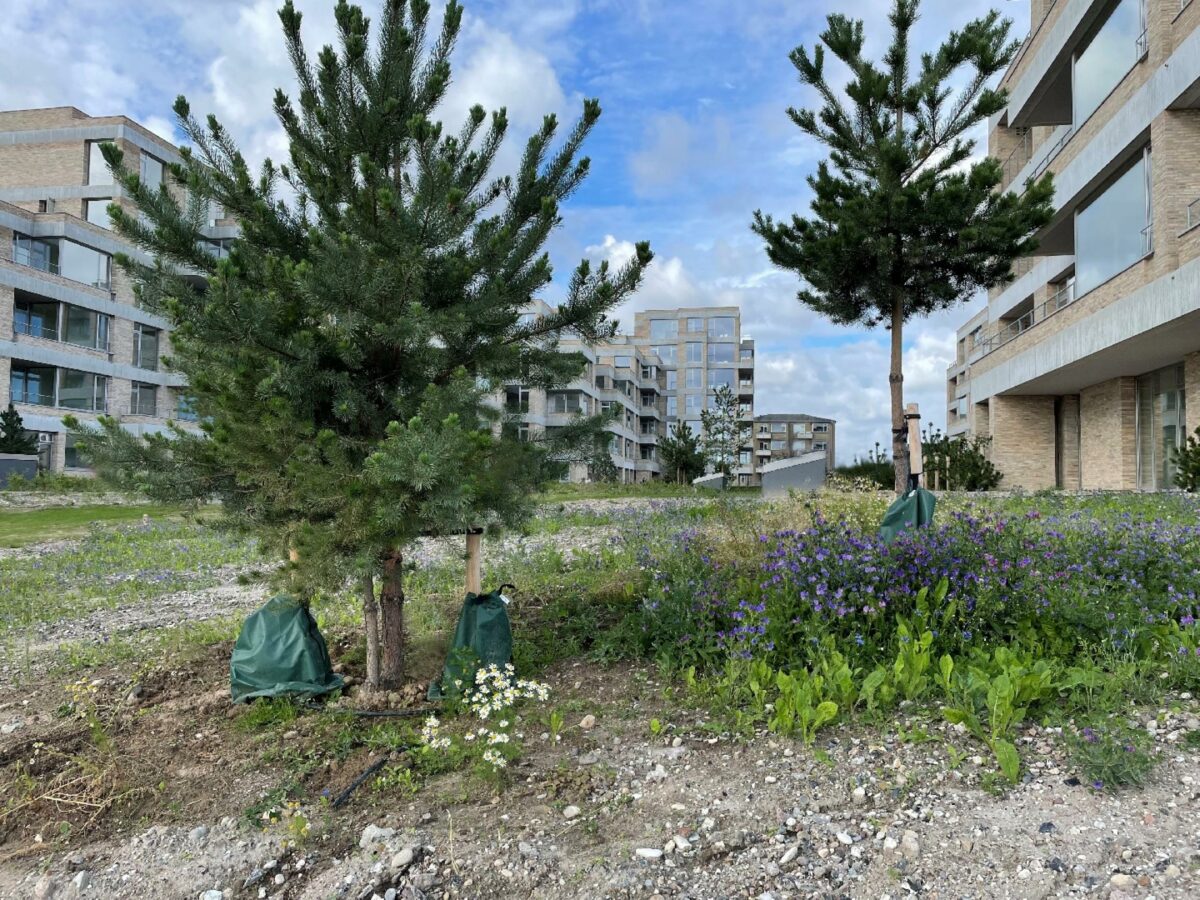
<point>946,666</point>
<point>1008,758</point>
<point>826,712</point>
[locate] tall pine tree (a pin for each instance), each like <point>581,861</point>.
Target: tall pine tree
<point>723,432</point>
<point>13,436</point>
<point>344,357</point>
<point>903,223</point>
<point>682,460</point>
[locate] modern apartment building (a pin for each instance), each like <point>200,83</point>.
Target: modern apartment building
<point>1085,369</point>
<point>785,435</point>
<point>72,337</point>
<point>701,349</point>
<point>653,378</point>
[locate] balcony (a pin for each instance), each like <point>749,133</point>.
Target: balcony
<point>46,386</point>
<point>1063,298</point>
<point>67,259</point>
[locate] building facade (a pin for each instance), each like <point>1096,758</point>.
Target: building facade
<point>72,337</point>
<point>700,349</point>
<point>1084,370</point>
<point>779,436</point>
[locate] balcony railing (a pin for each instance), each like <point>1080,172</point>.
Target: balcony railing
<point>32,329</point>
<point>1142,43</point>
<point>25,256</point>
<point>1061,299</point>
<point>1055,149</point>
<point>1193,214</point>
<point>1029,37</point>
<point>1020,156</point>
<point>1148,239</point>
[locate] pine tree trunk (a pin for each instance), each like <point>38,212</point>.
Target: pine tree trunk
<point>896,382</point>
<point>371,626</point>
<point>391,623</point>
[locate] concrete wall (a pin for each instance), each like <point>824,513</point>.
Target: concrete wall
<point>803,476</point>
<point>17,464</point>
<point>1108,448</point>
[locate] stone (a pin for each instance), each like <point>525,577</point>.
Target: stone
<point>648,853</point>
<point>213,895</point>
<point>587,722</point>
<point>82,880</point>
<point>844,838</point>
<point>373,834</point>
<point>197,834</point>
<point>910,847</point>
<point>1046,828</point>
<point>1121,880</point>
<point>682,843</point>
<point>859,796</point>
<point>403,859</point>
<point>45,888</point>
<point>788,855</point>
<point>571,812</point>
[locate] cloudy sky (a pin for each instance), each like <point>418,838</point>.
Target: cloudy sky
<point>693,139</point>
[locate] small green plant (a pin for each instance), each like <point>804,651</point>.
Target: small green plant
<point>1112,756</point>
<point>912,659</point>
<point>554,723</point>
<point>800,707</point>
<point>656,728</point>
<point>1187,464</point>
<point>396,780</point>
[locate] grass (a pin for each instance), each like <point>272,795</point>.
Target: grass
<point>560,492</point>
<point>23,527</point>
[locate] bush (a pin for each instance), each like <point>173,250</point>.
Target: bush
<point>876,468</point>
<point>1187,464</point>
<point>958,463</point>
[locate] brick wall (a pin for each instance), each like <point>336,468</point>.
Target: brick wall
<point>35,119</point>
<point>1022,430</point>
<point>1191,391</point>
<point>1108,445</point>
<point>1068,436</point>
<point>42,164</point>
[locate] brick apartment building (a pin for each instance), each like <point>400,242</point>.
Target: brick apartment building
<point>786,435</point>
<point>72,337</point>
<point>1085,369</point>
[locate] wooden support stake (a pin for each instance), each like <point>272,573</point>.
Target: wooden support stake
<point>474,562</point>
<point>913,417</point>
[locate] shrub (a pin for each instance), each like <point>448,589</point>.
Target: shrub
<point>1187,464</point>
<point>958,463</point>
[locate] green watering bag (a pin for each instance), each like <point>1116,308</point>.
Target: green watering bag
<point>280,651</point>
<point>910,511</point>
<point>483,638</point>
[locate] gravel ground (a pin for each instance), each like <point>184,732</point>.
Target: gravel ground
<point>611,812</point>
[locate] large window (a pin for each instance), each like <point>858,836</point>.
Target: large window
<point>143,400</point>
<point>622,362</point>
<point>96,212</point>
<point>1108,56</point>
<point>692,378</point>
<point>672,379</point>
<point>1161,426</point>
<point>1112,231</point>
<point>672,407</point>
<point>150,171</point>
<point>85,328</point>
<point>80,263</point>
<point>145,346</point>
<point>31,384</point>
<point>97,168</point>
<point>720,378</point>
<point>36,318</point>
<point>570,402</point>
<point>692,403</point>
<point>695,325</point>
<point>720,327</point>
<point>665,352</point>
<point>663,329</point>
<point>82,390</point>
<point>516,398</point>
<point>695,353</point>
<point>721,353</point>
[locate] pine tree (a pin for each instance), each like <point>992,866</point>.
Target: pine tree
<point>903,223</point>
<point>344,357</point>
<point>13,437</point>
<point>723,433</point>
<point>680,453</point>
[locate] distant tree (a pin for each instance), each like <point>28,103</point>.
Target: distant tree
<point>600,466</point>
<point>345,357</point>
<point>903,223</point>
<point>723,433</point>
<point>13,437</point>
<point>1187,464</point>
<point>682,459</point>
<point>957,463</point>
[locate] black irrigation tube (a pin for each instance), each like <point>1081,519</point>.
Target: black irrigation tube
<point>357,782</point>
<point>376,713</point>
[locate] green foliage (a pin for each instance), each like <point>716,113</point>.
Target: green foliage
<point>723,433</point>
<point>876,468</point>
<point>903,222</point>
<point>344,356</point>
<point>13,437</point>
<point>1111,755</point>
<point>682,459</point>
<point>1187,464</point>
<point>799,706</point>
<point>958,463</point>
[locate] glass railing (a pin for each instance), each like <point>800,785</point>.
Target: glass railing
<point>1062,298</point>
<point>1193,214</point>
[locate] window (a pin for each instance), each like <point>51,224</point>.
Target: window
<point>672,407</point>
<point>143,399</point>
<point>150,170</point>
<point>622,362</point>
<point>696,426</point>
<point>820,428</point>
<point>692,378</point>
<point>743,457</point>
<point>73,459</point>
<point>692,403</point>
<point>524,320</point>
<point>778,445</point>
<point>516,398</point>
<point>570,402</point>
<point>747,355</point>
<point>695,353</point>
<point>663,329</point>
<point>649,426</point>
<point>695,325</point>
<point>145,346</point>
<point>778,427</point>
<point>1109,55</point>
<point>31,384</point>
<point>80,263</point>
<point>36,318</point>
<point>665,352</point>
<point>721,353</point>
<point>185,408</point>
<point>82,390</point>
<point>96,212</point>
<point>1111,231</point>
<point>720,378</point>
<point>720,327</point>
<point>799,446</point>
<point>41,255</point>
<point>97,168</point>
<point>85,328</point>
<point>820,445</point>
<point>672,379</point>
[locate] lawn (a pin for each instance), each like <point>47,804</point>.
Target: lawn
<point>21,527</point>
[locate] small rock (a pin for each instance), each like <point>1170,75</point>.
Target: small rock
<point>1046,828</point>
<point>682,844</point>
<point>45,888</point>
<point>788,855</point>
<point>648,852</point>
<point>587,722</point>
<point>82,880</point>
<point>197,834</point>
<point>1121,880</point>
<point>403,859</point>
<point>844,838</point>
<point>213,895</point>
<point>910,847</point>
<point>859,796</point>
<point>373,834</point>
<point>571,812</point>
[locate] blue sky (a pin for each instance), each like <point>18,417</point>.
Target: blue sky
<point>693,139</point>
